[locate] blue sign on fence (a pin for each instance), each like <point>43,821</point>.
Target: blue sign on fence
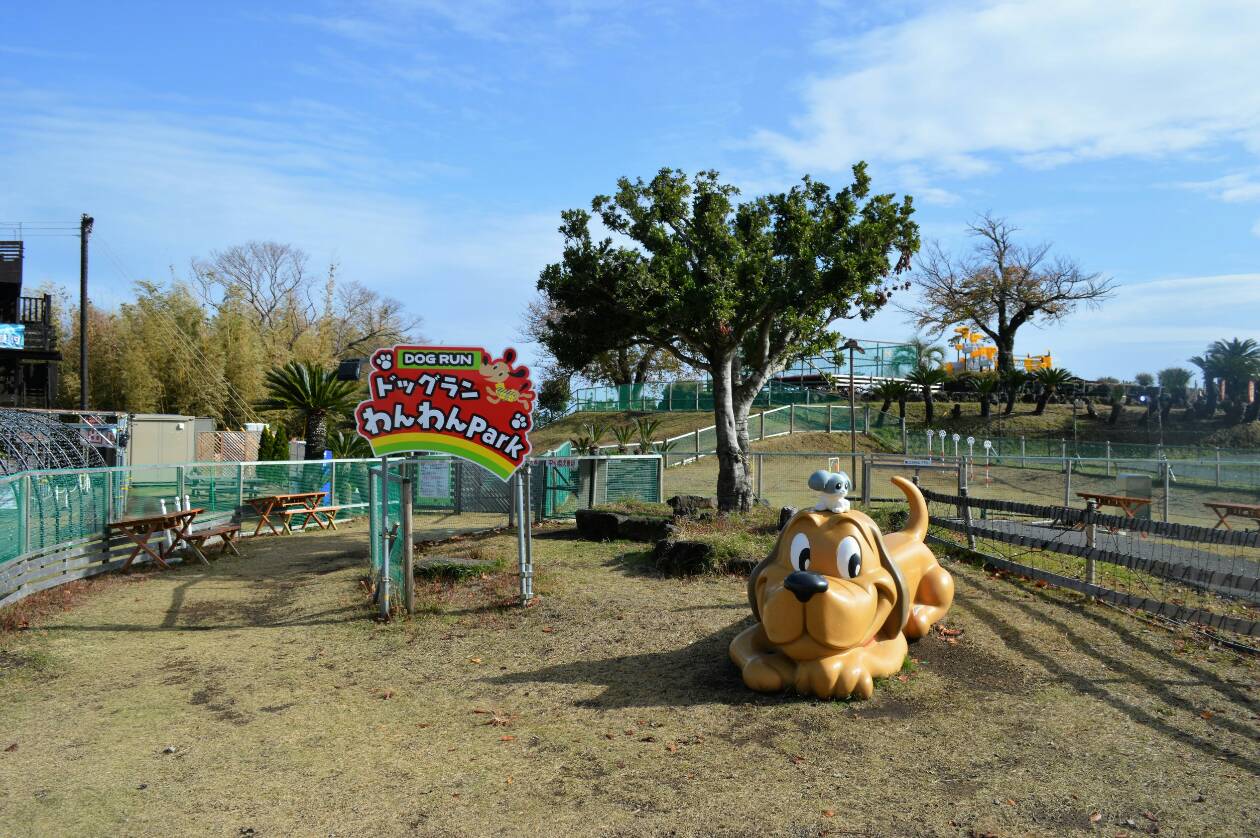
<point>12,336</point>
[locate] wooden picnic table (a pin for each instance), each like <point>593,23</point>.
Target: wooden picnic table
<point>1224,509</point>
<point>267,504</point>
<point>1126,504</point>
<point>141,528</point>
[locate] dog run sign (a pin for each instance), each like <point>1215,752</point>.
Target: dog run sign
<point>449,400</point>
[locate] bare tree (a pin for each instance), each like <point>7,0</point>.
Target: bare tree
<point>361,320</point>
<point>267,277</point>
<point>1000,286</point>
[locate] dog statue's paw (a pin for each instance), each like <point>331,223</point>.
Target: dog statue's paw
<point>918,625</point>
<point>855,682</point>
<point>768,673</point>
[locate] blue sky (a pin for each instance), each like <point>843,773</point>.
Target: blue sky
<point>428,146</point>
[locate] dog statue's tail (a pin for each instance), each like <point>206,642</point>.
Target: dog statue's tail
<point>916,528</point>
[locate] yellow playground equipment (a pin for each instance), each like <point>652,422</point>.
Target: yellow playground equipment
<point>977,354</point>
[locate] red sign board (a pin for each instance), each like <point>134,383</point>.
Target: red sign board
<point>451,400</point>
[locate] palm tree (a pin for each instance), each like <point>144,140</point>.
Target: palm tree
<point>348,445</point>
<point>886,390</point>
<point>315,393</point>
<point>926,353</point>
<point>901,392</point>
<point>1051,380</point>
<point>1237,362</point>
<point>1207,366</point>
<point>926,378</point>
<point>986,387</point>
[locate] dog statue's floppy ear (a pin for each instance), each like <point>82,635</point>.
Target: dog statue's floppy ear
<point>898,618</point>
<point>917,525</point>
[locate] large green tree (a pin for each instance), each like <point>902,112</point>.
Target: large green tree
<point>735,289</point>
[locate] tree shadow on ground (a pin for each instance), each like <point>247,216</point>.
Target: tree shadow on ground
<point>699,673</point>
<point>1112,692</point>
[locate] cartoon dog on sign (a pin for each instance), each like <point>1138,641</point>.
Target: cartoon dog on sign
<point>836,599</point>
<point>498,372</point>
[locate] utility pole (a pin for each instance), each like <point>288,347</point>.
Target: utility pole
<point>852,345</point>
<point>85,231</point>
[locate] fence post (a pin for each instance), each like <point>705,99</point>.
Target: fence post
<point>697,438</point>
<point>697,395</point>
<point>1218,467</point>
<point>109,508</point>
<point>1063,453</point>
<point>905,437</point>
<point>240,486</point>
<point>866,482</point>
<point>25,508</point>
<point>179,484</point>
<point>409,576</point>
<point>866,418</point>
<point>1023,452</point>
<point>1167,487</point>
<point>792,418</point>
<point>829,418</point>
<point>964,510</point>
<point>1108,458</point>
<point>669,395</point>
<point>1067,483</point>
<point>660,478</point>
<point>761,425</point>
<point>761,463</point>
<point>1091,537</point>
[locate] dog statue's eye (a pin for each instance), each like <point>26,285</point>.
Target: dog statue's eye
<point>849,557</point>
<point>800,551</point>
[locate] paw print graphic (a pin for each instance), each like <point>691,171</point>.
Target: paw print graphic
<point>384,361</point>
<point>519,421</point>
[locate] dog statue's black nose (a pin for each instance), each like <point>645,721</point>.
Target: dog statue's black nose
<point>805,584</point>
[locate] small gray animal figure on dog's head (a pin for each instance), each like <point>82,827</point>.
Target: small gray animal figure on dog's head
<point>833,486</point>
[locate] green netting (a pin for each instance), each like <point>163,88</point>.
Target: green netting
<point>632,479</point>
<point>40,510</point>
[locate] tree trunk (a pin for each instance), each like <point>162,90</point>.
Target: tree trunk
<point>1212,394</point>
<point>316,434</point>
<point>1117,407</point>
<point>901,409</point>
<point>887,404</point>
<point>1005,353</point>
<point>1012,394</point>
<point>929,408</point>
<point>1041,402</point>
<point>985,406</point>
<point>734,485</point>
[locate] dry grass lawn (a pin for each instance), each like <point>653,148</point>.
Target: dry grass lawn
<point>258,697</point>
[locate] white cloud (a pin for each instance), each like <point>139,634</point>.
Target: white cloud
<point>1236,187</point>
<point>1040,82</point>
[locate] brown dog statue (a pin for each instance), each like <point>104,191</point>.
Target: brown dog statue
<point>836,599</point>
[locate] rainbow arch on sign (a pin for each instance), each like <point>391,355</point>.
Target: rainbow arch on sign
<point>404,441</point>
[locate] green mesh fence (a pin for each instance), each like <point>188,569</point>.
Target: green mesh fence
<point>41,510</point>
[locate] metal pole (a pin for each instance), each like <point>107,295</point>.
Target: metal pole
<point>519,500</point>
<point>529,539</point>
<point>240,485</point>
<point>85,232</point>
<point>792,418</point>
<point>1167,487</point>
<point>905,437</point>
<point>179,483</point>
<point>761,425</point>
<point>965,510</point>
<point>1067,482</point>
<point>829,418</point>
<point>1218,468</point>
<point>761,462</point>
<point>852,422</point>
<point>25,507</point>
<point>382,587</point>
<point>866,481</point>
<point>1108,458</point>
<point>1022,452</point>
<point>408,557</point>
<point>660,478</point>
<point>1091,537</point>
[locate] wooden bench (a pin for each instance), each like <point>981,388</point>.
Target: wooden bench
<point>227,534</point>
<point>1224,509</point>
<point>325,516</point>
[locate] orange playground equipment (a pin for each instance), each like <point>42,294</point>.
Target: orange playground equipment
<point>977,354</point>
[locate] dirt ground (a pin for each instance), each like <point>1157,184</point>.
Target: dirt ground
<point>257,697</point>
